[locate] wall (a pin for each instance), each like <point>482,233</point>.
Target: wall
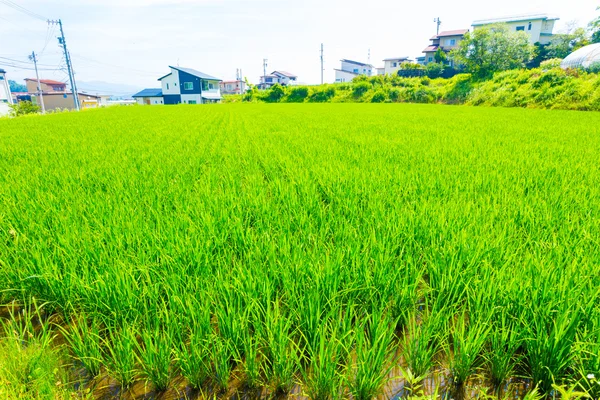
<point>184,78</point>
<point>173,82</point>
<point>54,101</point>
<point>185,98</point>
<point>153,100</point>
<point>362,69</point>
<point>341,76</point>
<point>537,27</point>
<point>172,98</point>
<point>4,109</point>
<point>390,68</point>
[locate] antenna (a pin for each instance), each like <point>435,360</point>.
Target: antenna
<point>369,56</point>
<point>322,69</point>
<point>438,22</point>
<point>265,73</point>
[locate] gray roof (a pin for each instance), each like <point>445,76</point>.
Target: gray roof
<point>516,18</point>
<point>194,72</point>
<point>395,58</point>
<point>356,62</point>
<point>149,93</point>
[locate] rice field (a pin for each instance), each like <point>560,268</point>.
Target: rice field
<point>320,251</point>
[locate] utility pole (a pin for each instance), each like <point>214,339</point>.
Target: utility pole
<point>322,63</point>
<point>62,41</point>
<point>265,73</point>
<point>438,22</point>
<point>39,84</point>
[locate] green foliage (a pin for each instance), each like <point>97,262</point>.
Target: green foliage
<point>552,63</point>
<point>275,93</point>
<point>594,68</point>
<point>594,27</point>
<point>322,94</point>
<point>23,108</point>
<point>434,70</point>
<point>379,97</point>
<point>297,94</point>
<point>440,56</point>
<point>16,87</point>
<point>409,66</point>
<point>491,49</point>
<point>360,88</point>
<point>564,44</point>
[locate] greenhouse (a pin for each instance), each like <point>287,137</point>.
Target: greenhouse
<point>583,58</point>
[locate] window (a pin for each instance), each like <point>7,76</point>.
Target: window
<point>356,70</point>
<point>174,83</point>
<point>520,28</point>
<point>430,59</point>
<point>394,64</point>
<point>167,86</point>
<point>452,42</point>
<point>188,85</point>
<point>529,28</point>
<point>192,102</point>
<point>206,85</point>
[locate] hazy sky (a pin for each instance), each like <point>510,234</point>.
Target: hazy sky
<point>134,41</point>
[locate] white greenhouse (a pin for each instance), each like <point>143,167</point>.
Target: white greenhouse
<point>582,58</point>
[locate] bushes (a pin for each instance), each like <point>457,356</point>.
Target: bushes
<point>434,70</point>
<point>297,94</point>
<point>360,88</point>
<point>551,63</point>
<point>23,108</point>
<point>322,94</point>
<point>379,97</point>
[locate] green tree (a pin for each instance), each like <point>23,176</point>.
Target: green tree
<point>595,29</point>
<point>492,49</point>
<point>23,108</point>
<point>440,56</point>
<point>564,44</point>
<point>16,87</point>
<point>276,93</point>
<point>434,70</point>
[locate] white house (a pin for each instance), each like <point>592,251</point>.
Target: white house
<point>5,95</point>
<point>149,97</point>
<point>351,69</point>
<point>188,86</point>
<point>447,41</point>
<point>233,87</point>
<point>539,27</point>
<point>392,65</point>
<point>281,77</point>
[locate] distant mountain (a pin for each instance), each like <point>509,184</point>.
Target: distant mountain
<point>118,90</point>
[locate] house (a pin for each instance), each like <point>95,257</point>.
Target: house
<point>233,87</point>
<point>281,77</point>
<point>47,86</point>
<point>5,95</point>
<point>351,69</point>
<point>420,60</point>
<point>56,95</point>
<point>380,70</point>
<point>149,97</point>
<point>447,41</point>
<point>392,65</point>
<point>188,86</point>
<point>539,27</point>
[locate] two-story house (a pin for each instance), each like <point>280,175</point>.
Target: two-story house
<point>281,77</point>
<point>392,65</point>
<point>233,87</point>
<point>5,95</point>
<point>447,41</point>
<point>188,86</point>
<point>351,69</point>
<point>56,95</point>
<point>539,27</point>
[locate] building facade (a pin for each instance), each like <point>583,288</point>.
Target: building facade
<point>47,86</point>
<point>351,69</point>
<point>281,77</point>
<point>392,65</point>
<point>149,97</point>
<point>233,87</point>
<point>447,41</point>
<point>539,27</point>
<point>5,95</point>
<point>189,86</point>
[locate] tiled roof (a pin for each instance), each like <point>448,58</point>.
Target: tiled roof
<point>396,58</point>
<point>48,82</point>
<point>429,49</point>
<point>357,63</point>
<point>287,74</point>
<point>194,72</point>
<point>149,93</point>
<point>457,32</point>
<point>516,18</point>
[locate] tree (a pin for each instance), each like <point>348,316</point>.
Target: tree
<point>492,49</point>
<point>595,29</point>
<point>23,108</point>
<point>434,70</point>
<point>564,44</point>
<point>16,87</point>
<point>440,56</point>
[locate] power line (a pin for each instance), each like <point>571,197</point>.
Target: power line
<point>25,62</point>
<point>79,56</point>
<point>22,9</point>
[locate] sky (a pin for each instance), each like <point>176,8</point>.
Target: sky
<point>134,41</point>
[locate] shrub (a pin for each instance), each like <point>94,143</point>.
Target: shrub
<point>411,66</point>
<point>551,63</point>
<point>594,68</point>
<point>322,95</point>
<point>434,70</point>
<point>23,108</point>
<point>379,97</point>
<point>297,94</point>
<point>360,88</point>
<point>276,93</point>
<point>394,94</point>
